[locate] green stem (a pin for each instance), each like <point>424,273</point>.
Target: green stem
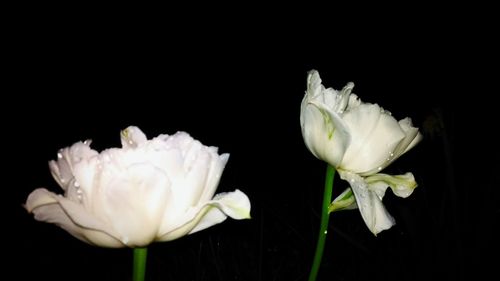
<point>140,255</point>
<point>327,199</point>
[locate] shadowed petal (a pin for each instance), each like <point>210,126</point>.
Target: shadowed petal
<point>345,201</point>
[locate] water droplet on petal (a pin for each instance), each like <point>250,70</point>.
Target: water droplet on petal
<point>76,184</point>
<point>87,142</point>
<point>379,168</point>
<point>59,155</point>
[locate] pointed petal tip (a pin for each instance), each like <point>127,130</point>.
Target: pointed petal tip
<point>132,136</point>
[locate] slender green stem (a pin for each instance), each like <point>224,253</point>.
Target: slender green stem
<point>140,255</point>
<point>327,199</point>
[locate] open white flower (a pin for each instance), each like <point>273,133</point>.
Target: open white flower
<point>359,140</point>
<point>148,190</point>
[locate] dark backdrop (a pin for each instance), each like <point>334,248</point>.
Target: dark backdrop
<point>240,88</point>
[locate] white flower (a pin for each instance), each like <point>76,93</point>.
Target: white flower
<point>359,140</point>
<point>148,190</point>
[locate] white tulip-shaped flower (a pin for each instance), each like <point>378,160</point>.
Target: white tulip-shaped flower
<point>359,140</point>
<point>146,191</point>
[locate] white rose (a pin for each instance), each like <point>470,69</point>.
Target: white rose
<point>359,140</point>
<point>146,191</point>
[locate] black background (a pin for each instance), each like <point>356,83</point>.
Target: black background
<point>237,85</point>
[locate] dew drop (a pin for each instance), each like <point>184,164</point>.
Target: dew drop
<point>326,231</point>
<point>59,155</point>
<point>379,168</point>
<point>87,142</point>
<point>76,184</point>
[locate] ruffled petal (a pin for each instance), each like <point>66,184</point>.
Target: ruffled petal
<point>62,169</point>
<point>401,185</point>
<point>324,132</point>
<point>370,206</point>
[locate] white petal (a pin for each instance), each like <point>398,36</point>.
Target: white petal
<point>63,168</point>
<point>374,136</point>
<point>187,190</point>
<point>132,202</point>
<point>401,185</point>
<point>233,204</point>
<point>413,136</point>
<point>343,99</point>
<point>197,166</point>
<point>39,197</point>
<point>345,201</point>
<point>47,207</point>
<point>324,133</point>
<point>370,206</point>
<point>314,86</point>
<point>336,101</point>
<point>132,137</point>
<point>215,171</point>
